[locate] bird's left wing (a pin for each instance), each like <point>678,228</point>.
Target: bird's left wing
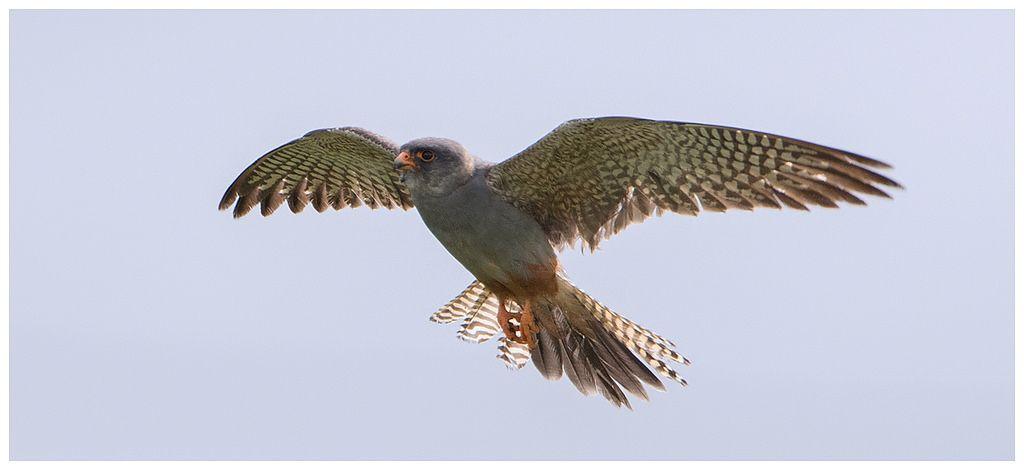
<point>590,178</point>
<point>341,167</point>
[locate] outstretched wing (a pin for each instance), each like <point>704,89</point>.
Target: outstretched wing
<point>336,168</point>
<point>590,178</point>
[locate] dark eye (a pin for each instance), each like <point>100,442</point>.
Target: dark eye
<point>427,155</point>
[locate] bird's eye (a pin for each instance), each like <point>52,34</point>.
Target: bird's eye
<point>426,155</point>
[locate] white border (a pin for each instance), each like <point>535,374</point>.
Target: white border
<point>514,4</point>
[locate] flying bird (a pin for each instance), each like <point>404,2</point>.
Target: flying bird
<point>583,182</point>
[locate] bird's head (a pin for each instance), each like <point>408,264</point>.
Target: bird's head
<point>434,165</point>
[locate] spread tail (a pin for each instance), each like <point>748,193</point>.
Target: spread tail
<point>596,348</point>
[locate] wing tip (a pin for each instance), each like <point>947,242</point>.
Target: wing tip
<point>227,199</point>
<point>868,161</point>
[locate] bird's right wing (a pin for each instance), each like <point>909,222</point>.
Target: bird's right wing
<point>336,168</point>
<point>590,178</point>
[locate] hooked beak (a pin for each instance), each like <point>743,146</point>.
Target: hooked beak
<point>404,162</point>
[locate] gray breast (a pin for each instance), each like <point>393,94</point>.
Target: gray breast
<point>490,237</point>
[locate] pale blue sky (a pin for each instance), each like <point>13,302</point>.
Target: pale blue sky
<point>147,325</point>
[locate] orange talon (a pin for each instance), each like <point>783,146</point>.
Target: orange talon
<point>527,326</point>
<point>504,317</point>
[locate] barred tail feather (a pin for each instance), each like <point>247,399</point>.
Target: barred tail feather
<point>574,335</point>
<point>598,350</point>
<point>461,306</point>
<point>632,333</point>
<point>482,324</point>
<point>513,354</point>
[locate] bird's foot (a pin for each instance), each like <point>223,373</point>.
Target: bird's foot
<point>518,326</point>
<point>505,320</point>
<point>527,326</point>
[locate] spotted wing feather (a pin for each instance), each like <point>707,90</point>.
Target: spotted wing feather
<point>590,178</point>
<point>336,168</point>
